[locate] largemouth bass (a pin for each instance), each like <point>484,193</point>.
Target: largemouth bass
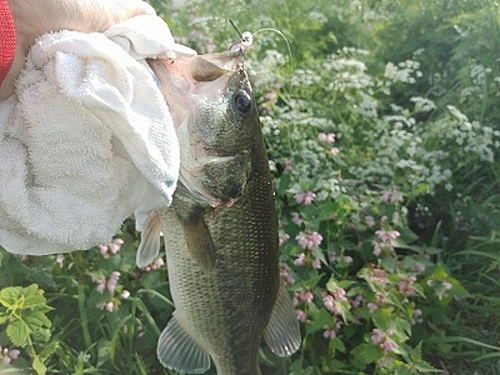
<point>221,231</point>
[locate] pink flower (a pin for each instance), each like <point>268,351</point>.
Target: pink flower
<point>103,249</point>
<point>388,346</point>
<point>391,196</point>
<point>316,264</point>
<point>8,356</point>
<point>300,260</point>
<point>339,294</point>
<point>382,340</point>
<point>387,236</point>
<point>334,151</point>
<point>305,296</point>
<point>296,219</point>
<point>309,240</point>
<point>101,285</point>
<point>372,307</point>
<point>329,334</point>
<point>110,306</point>
<point>156,265</point>
<point>356,302</point>
<point>289,280</point>
<point>379,276</point>
<point>301,316</point>
<point>377,250</point>
<point>329,303</point>
<point>305,199</point>
<point>14,353</point>
<point>284,239</point>
<point>377,336</point>
<point>447,285</point>
<point>112,284</point>
<point>326,138</point>
<point>405,286</point>
<point>417,317</point>
<point>113,248</point>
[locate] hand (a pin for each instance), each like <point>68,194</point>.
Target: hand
<point>34,18</point>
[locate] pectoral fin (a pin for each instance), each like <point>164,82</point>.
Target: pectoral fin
<point>282,333</point>
<point>150,241</point>
<point>199,243</point>
<point>177,350</point>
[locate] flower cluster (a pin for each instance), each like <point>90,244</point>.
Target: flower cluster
<point>110,249</point>
<point>285,275</point>
<point>305,199</point>
<point>382,340</point>
<point>8,355</point>
<point>384,243</point>
<point>309,241</point>
<point>156,265</point>
<point>328,139</point>
<point>440,287</point>
<point>111,286</point>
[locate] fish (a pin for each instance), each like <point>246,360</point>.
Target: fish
<point>221,230</point>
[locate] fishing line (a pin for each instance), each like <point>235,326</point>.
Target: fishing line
<point>280,34</point>
<point>247,37</point>
<point>246,41</point>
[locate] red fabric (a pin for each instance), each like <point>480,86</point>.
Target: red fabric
<point>7,39</point>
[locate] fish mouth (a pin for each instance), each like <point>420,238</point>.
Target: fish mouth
<point>229,61</point>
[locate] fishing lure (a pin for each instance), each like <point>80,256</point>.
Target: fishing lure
<point>246,40</point>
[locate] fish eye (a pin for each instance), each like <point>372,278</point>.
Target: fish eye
<point>242,103</point>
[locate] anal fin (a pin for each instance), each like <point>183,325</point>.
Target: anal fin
<point>150,241</point>
<point>177,350</point>
<point>282,333</point>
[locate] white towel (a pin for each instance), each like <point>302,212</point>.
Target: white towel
<point>87,139</point>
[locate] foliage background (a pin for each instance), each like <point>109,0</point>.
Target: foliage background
<point>382,126</point>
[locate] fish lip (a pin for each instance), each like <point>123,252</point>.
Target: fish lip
<point>231,60</point>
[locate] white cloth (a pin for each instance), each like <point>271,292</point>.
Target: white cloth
<point>87,139</point>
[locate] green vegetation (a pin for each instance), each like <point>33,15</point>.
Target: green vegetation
<point>383,131</point>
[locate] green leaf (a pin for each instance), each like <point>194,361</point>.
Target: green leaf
<point>365,354</point>
<point>32,290</point>
<point>319,320</point>
<point>9,296</point>
<point>39,367</point>
<point>34,302</point>
<point>18,332</point>
<point>3,317</point>
<point>37,319</point>
<point>382,318</point>
<point>48,350</point>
